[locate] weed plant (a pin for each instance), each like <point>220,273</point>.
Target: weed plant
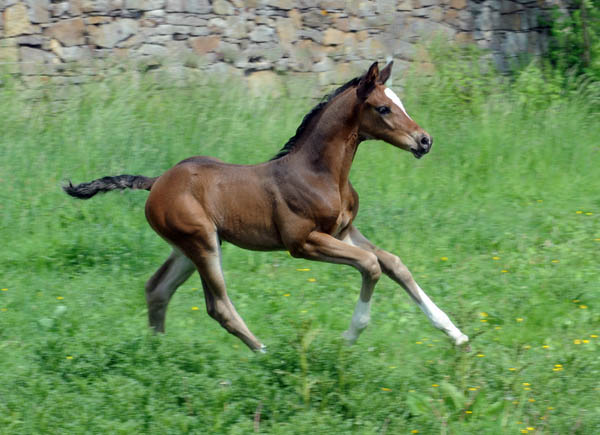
<point>499,224</point>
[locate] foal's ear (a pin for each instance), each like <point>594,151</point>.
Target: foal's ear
<point>385,73</point>
<point>367,83</point>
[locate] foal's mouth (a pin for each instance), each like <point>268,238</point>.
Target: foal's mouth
<point>418,153</point>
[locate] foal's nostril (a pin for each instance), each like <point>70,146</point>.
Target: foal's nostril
<point>425,141</point>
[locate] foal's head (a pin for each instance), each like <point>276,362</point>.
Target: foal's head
<point>384,116</point>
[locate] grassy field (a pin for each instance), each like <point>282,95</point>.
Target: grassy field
<point>500,224</point>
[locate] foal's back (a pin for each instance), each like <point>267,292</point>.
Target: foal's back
<point>203,195</point>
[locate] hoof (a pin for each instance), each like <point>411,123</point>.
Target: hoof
<point>349,338</point>
<point>463,339</point>
<point>261,349</point>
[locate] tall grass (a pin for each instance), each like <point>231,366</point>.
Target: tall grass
<point>499,224</point>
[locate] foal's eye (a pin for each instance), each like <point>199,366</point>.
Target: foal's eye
<point>383,110</point>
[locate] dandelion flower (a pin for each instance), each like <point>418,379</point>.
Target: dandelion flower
<point>468,412</point>
<point>545,346</point>
<point>304,269</point>
<point>312,279</point>
<point>524,431</point>
<point>472,388</point>
<point>496,258</point>
<point>483,320</point>
<point>550,408</point>
<point>195,308</point>
<point>483,314</point>
<point>589,213</point>
<point>578,212</point>
<point>575,301</point>
<point>414,431</point>
<point>4,289</point>
<point>504,271</point>
<point>585,340</point>
<point>583,307</point>
<point>480,355</point>
<point>498,328</point>
<point>527,384</point>
<point>3,310</point>
<point>444,258</point>
<point>531,400</point>
<point>594,335</point>
<point>556,261</point>
<point>530,428</point>
<point>577,341</point>
<point>418,342</point>
<point>69,357</point>
<point>512,369</point>
<point>60,298</point>
<point>519,319</point>
<point>434,385</point>
<point>286,295</point>
<point>386,389</point>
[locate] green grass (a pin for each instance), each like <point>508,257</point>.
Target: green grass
<point>508,198</point>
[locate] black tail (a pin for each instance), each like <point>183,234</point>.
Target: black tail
<point>105,184</point>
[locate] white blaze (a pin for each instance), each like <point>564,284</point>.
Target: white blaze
<point>395,99</point>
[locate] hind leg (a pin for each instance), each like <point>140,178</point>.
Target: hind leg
<point>206,254</point>
<point>159,289</point>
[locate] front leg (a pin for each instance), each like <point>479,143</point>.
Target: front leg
<point>323,247</point>
<point>393,267</point>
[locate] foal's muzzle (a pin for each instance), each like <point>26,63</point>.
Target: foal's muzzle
<point>424,144</point>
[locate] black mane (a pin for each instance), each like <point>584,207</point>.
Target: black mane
<point>291,143</point>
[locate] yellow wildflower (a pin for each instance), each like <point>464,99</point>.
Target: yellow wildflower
<point>286,295</point>
<point>512,369</point>
<point>480,355</point>
<point>545,346</point>
<point>69,357</point>
<point>386,389</point>
<point>60,298</point>
<point>519,319</point>
<point>496,258</point>
<point>434,385</point>
<point>195,308</point>
<point>444,258</point>
<point>468,412</point>
<point>531,400</point>
<point>304,269</point>
<point>585,340</point>
<point>527,384</point>
<point>4,289</point>
<point>578,212</point>
<point>483,314</point>
<point>594,335</point>
<point>556,261</point>
<point>504,271</point>
<point>577,341</point>
<point>312,279</point>
<point>589,213</point>
<point>583,307</point>
<point>418,342</point>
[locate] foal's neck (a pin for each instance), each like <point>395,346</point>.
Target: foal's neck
<point>331,143</point>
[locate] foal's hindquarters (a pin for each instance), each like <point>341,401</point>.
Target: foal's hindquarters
<point>187,207</point>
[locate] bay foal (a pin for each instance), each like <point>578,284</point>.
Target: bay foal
<point>301,201</point>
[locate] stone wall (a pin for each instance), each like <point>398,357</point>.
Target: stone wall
<point>73,41</point>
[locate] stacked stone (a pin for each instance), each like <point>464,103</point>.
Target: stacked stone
<point>74,40</point>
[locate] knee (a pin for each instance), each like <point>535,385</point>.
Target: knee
<point>371,266</point>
